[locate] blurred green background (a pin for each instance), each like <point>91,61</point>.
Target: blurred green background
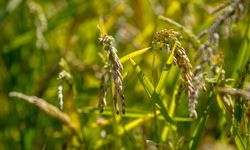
<point>36,34</point>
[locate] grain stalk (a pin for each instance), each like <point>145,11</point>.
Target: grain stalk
<point>113,70</point>
<point>169,38</point>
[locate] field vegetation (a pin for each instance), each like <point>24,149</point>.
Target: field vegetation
<point>124,74</point>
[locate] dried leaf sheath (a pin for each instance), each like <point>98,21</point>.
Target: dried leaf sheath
<point>113,70</point>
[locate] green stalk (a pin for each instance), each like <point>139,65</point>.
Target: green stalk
<point>186,32</point>
<point>163,78</point>
<point>117,141</point>
<point>149,88</point>
<point>198,132</point>
<point>243,55</point>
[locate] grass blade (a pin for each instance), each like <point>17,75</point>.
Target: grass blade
<point>149,88</point>
<point>163,78</point>
<point>134,54</point>
<point>198,132</point>
<point>147,85</point>
<point>239,142</point>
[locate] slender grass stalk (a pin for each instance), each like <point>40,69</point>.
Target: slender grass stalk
<point>163,78</point>
<point>134,54</point>
<point>137,122</point>
<point>147,85</point>
<point>117,142</point>
<point>185,32</point>
<point>171,113</point>
<point>199,129</point>
<point>239,142</point>
<point>46,107</point>
<point>161,83</point>
<point>244,54</point>
<point>149,88</point>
